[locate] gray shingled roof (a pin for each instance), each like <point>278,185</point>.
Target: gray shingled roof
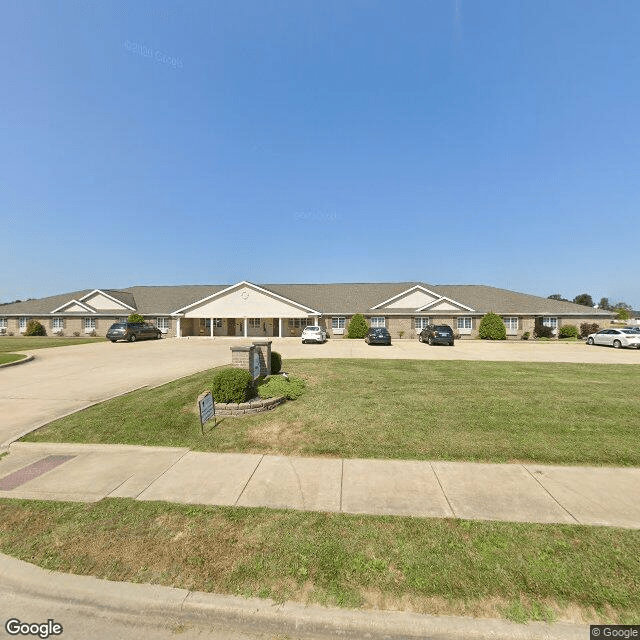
<point>326,298</point>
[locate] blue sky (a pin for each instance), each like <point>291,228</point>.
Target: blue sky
<point>448,141</point>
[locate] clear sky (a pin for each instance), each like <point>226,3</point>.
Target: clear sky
<point>443,141</point>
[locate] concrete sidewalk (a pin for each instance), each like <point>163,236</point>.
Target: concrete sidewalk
<point>508,492</point>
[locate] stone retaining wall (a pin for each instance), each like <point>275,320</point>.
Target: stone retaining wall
<point>257,405</point>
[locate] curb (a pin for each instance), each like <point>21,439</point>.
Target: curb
<point>171,604</point>
<point>16,362</point>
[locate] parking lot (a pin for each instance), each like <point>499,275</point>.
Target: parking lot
<point>62,380</point>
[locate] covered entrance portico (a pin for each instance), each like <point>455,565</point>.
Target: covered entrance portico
<point>247,311</point>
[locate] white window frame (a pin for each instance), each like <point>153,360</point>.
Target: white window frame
<point>338,324</point>
<point>22,324</point>
<point>163,323</point>
<point>550,321</point>
<point>217,323</point>
<point>509,324</point>
<point>377,322</point>
<point>254,323</point>
<point>89,324</point>
<point>464,325</point>
<point>57,325</point>
<point>3,323</point>
<point>420,323</point>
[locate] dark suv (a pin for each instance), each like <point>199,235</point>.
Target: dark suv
<point>437,334</point>
<point>132,331</point>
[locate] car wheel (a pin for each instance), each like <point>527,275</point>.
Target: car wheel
<point>451,344</point>
<point>430,342</point>
<point>420,338</point>
<point>617,344</point>
<point>113,341</point>
<point>590,341</point>
<point>132,337</point>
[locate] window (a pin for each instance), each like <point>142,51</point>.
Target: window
<point>3,324</point>
<point>295,322</point>
<point>89,325</point>
<point>464,325</point>
<point>377,321</point>
<point>337,322</point>
<point>550,322</point>
<point>22,323</point>
<point>57,324</point>
<point>254,323</point>
<point>163,324</point>
<point>217,322</point>
<point>421,323</point>
<point>511,323</point>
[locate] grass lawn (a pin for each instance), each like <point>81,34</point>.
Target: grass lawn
<point>438,566</point>
<point>5,358</point>
<point>27,343</point>
<point>408,409</point>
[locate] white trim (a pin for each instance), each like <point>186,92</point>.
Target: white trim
<point>417,286</point>
<point>106,295</point>
<point>246,284</point>
<point>74,301</point>
<point>454,302</point>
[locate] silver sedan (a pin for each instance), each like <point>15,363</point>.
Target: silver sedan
<point>616,338</point>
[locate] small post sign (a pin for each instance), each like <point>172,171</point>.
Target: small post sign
<point>207,409</point>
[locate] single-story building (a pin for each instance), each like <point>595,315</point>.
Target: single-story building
<point>246,309</point>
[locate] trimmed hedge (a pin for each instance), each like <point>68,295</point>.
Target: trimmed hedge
<point>568,331</point>
<point>232,385</point>
<point>276,362</point>
<point>588,327</point>
<point>542,330</point>
<point>492,327</point>
<point>276,386</point>
<point>358,327</point>
<point>135,317</point>
<point>34,328</point>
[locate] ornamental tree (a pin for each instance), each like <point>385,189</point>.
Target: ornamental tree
<point>492,327</point>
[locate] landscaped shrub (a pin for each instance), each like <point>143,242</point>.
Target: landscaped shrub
<point>76,334</point>
<point>135,317</point>
<point>34,328</point>
<point>542,330</point>
<point>276,362</point>
<point>526,335</point>
<point>568,331</point>
<point>232,385</point>
<point>276,386</point>
<point>358,327</point>
<point>588,327</point>
<point>492,328</point>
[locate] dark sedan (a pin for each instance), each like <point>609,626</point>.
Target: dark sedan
<point>378,335</point>
<point>132,331</point>
<point>437,334</point>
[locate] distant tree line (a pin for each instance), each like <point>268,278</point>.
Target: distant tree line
<point>621,308</point>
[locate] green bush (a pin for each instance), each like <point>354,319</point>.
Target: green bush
<point>588,327</point>
<point>492,327</point>
<point>542,330</point>
<point>276,386</point>
<point>276,362</point>
<point>568,331</point>
<point>358,327</point>
<point>232,385</point>
<point>135,317</point>
<point>34,328</point>
<point>526,335</point>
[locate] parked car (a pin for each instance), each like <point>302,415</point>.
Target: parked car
<point>314,333</point>
<point>378,335</point>
<point>437,334</point>
<point>616,338</point>
<point>132,331</point>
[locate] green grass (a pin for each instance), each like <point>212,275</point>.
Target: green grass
<point>442,566</point>
<point>25,343</point>
<point>480,411</point>
<point>5,358</point>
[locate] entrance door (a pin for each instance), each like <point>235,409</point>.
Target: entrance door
<point>231,326</point>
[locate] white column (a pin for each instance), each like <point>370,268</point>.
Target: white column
<point>245,327</point>
<point>211,327</point>
<point>279,327</point>
<point>178,334</point>
<point>315,320</point>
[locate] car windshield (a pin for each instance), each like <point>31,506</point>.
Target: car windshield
<point>312,329</point>
<point>119,325</point>
<point>441,327</point>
